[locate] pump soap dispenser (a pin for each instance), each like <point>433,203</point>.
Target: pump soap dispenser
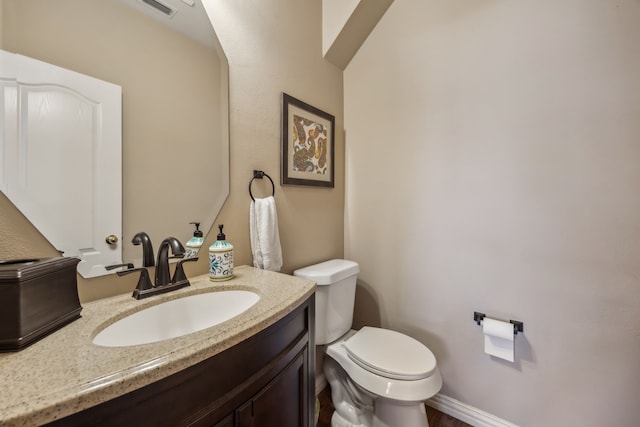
<point>220,259</point>
<point>195,243</point>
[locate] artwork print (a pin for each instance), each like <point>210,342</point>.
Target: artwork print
<point>307,144</point>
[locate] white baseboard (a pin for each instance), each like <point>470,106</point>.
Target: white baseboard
<point>466,413</point>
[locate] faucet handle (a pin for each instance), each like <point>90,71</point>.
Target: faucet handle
<point>114,266</point>
<point>144,282</point>
<point>179,275</point>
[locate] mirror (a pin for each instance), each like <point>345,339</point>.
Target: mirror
<point>174,79</point>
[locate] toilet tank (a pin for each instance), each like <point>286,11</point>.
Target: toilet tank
<point>335,296</point>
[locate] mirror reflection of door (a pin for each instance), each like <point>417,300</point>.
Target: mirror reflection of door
<point>175,110</point>
<point>62,145</point>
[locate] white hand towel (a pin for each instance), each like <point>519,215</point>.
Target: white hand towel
<point>265,238</point>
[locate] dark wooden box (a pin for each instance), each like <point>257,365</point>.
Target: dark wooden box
<point>37,297</point>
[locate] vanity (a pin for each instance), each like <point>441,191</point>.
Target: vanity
<point>256,369</point>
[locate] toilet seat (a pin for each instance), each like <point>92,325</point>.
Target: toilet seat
<point>379,385</point>
<point>390,354</point>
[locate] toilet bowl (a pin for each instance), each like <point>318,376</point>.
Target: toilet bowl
<point>378,377</point>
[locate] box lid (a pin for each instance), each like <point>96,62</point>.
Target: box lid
<point>24,269</point>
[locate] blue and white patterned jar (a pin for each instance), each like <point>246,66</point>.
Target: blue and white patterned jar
<point>220,259</point>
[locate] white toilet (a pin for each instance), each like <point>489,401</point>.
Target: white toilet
<point>378,377</point>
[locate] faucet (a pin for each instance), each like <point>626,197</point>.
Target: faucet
<point>144,286</point>
<point>163,282</point>
<point>163,276</point>
<point>143,239</point>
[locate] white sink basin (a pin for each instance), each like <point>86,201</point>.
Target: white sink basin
<point>176,318</point>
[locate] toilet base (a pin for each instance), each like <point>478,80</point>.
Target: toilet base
<point>338,421</point>
<point>355,407</point>
<point>391,414</point>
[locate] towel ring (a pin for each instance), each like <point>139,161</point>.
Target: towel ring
<point>260,175</point>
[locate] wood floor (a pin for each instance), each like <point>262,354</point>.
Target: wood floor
<point>436,418</point>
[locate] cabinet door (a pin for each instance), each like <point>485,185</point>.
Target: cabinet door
<point>282,402</point>
<point>227,422</point>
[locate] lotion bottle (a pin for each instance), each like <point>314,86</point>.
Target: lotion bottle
<point>195,243</point>
<point>220,258</point>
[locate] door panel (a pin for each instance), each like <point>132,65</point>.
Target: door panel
<point>61,145</point>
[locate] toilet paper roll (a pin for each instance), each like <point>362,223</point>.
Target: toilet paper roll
<point>498,338</point>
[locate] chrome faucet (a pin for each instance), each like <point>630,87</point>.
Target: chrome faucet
<point>163,275</point>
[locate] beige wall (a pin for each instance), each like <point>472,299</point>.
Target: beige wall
<point>1,20</point>
<point>270,50</point>
<point>492,156</point>
<point>335,14</point>
<point>275,46</point>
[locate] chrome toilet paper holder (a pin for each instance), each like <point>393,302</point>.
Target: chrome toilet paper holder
<point>517,325</point>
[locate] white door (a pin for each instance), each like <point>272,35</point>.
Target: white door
<point>60,153</point>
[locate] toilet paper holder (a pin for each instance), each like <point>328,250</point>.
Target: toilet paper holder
<point>517,325</point>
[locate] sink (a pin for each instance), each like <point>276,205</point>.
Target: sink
<point>176,318</point>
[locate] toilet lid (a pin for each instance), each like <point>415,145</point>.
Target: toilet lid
<point>390,354</point>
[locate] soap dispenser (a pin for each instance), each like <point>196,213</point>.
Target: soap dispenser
<point>220,258</point>
<point>195,243</point>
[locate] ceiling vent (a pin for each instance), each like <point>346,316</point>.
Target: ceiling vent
<point>161,7</point>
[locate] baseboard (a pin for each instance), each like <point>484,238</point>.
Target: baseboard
<point>466,413</point>
<point>449,406</point>
<point>321,383</point>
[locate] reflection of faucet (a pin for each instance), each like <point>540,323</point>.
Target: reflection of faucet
<point>163,276</point>
<point>147,248</point>
<point>114,266</point>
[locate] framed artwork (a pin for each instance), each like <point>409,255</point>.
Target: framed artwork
<point>308,144</point>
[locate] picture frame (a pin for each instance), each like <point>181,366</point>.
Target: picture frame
<point>308,144</point>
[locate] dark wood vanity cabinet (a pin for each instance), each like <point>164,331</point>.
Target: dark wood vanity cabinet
<point>279,403</point>
<point>266,380</point>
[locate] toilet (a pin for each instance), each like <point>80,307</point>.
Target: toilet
<point>378,377</point>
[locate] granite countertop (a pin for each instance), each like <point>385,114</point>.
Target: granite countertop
<point>65,373</point>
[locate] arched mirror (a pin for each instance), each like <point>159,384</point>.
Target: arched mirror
<point>173,74</point>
